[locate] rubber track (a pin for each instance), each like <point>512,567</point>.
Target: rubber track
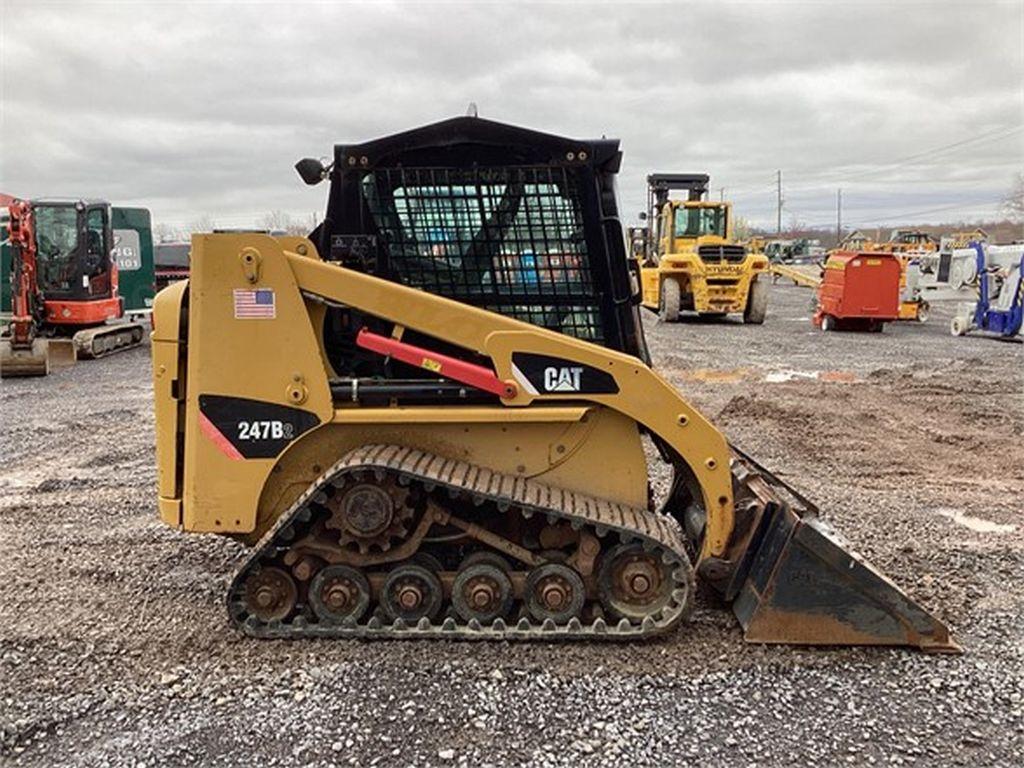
<point>85,340</point>
<point>653,530</point>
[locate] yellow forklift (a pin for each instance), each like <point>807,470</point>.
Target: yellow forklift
<point>688,258</point>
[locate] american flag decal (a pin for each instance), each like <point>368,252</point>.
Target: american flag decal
<point>258,304</point>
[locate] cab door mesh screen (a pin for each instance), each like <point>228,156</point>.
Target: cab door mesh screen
<point>509,240</point>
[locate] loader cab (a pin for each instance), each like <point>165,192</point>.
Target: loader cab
<point>73,250</point>
<point>510,220</point>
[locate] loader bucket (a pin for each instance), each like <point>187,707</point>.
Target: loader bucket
<point>805,588</point>
<point>22,361</point>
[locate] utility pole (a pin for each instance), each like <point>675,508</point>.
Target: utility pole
<point>839,216</point>
<point>778,210</point>
<point>721,194</point>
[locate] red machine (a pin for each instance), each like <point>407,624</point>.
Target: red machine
<point>859,291</point>
<point>63,287</point>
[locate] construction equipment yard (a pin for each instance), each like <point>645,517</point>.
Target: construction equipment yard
<point>116,650</point>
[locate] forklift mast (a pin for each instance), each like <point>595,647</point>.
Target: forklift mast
<point>660,184</point>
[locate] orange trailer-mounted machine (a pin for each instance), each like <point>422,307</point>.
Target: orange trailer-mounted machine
<point>860,291</point>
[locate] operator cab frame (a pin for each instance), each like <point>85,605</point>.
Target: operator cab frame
<point>507,219</point>
<point>74,241</point>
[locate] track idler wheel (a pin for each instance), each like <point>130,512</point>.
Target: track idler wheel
<point>411,592</point>
<point>270,594</point>
<point>339,592</point>
<point>633,583</point>
<point>554,591</point>
<point>482,591</point>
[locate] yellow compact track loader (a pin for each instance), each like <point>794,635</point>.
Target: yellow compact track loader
<point>429,420</point>
<point>688,258</point>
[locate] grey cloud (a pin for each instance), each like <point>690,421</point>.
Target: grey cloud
<point>194,108</point>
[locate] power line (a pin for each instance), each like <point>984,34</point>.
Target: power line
<point>829,177</point>
<point>997,135</point>
<point>905,215</point>
<point>938,209</point>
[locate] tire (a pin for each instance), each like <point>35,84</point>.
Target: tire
<point>757,303</point>
<point>922,312</point>
<point>959,326</point>
<point>828,323</point>
<point>668,307</point>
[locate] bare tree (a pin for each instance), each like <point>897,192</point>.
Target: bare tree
<point>276,221</point>
<point>203,224</point>
<point>298,228</point>
<point>165,233</point>
<point>741,229</point>
<point>1013,203</point>
<point>795,225</point>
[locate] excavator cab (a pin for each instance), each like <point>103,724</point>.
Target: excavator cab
<point>73,242</point>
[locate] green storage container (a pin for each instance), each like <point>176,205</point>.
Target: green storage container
<point>133,252</point>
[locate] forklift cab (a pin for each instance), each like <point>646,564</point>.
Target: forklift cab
<point>73,250</point>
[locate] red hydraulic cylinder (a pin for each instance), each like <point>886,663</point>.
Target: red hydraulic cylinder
<point>449,367</point>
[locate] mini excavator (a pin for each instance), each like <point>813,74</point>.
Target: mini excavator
<point>429,419</point>
<point>64,287</point>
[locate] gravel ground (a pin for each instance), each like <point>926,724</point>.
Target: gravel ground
<point>114,647</point>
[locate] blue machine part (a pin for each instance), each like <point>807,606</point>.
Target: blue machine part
<point>1004,322</point>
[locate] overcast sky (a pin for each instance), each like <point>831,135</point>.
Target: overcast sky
<point>202,108</point>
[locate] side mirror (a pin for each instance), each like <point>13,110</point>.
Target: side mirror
<point>311,170</point>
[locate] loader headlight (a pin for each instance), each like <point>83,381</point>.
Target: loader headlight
<point>311,170</point>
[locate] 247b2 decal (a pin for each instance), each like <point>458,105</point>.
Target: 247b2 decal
<point>265,430</point>
<point>254,429</point>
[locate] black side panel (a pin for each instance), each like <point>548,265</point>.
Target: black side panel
<point>555,375</point>
<point>256,429</point>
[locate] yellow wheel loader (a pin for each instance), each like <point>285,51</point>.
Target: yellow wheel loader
<point>688,258</point>
<point>428,420</point>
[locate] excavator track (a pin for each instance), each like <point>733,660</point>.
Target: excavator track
<point>311,577</point>
<point>105,340</point>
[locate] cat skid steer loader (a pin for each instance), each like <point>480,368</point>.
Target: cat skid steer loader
<point>429,418</point>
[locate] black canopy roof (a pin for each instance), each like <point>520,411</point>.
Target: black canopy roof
<point>463,141</point>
